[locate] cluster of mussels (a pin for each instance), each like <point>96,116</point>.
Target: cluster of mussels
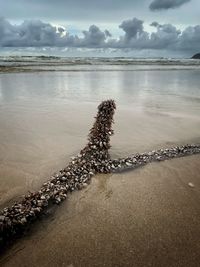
<point>142,159</point>
<point>94,158</point>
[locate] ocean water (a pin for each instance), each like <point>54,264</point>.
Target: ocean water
<point>46,112</point>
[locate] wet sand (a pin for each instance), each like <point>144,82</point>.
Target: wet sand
<point>149,217</point>
<point>146,217</point>
<point>34,146</point>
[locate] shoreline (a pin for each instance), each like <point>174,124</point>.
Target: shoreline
<point>5,70</point>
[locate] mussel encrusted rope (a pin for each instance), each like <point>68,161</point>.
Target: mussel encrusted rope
<point>94,158</point>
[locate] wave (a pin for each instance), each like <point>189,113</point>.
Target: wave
<point>60,61</point>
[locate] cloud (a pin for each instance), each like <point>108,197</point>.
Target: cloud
<point>166,4</point>
<point>166,36</point>
<point>190,38</point>
<point>35,33</point>
<point>155,24</point>
<point>32,33</point>
<point>94,37</point>
<point>132,28</point>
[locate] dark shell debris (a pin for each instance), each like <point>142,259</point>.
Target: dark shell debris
<point>94,158</point>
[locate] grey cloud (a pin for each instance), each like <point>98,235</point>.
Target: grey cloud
<point>135,37</point>
<point>94,37</point>
<point>155,24</point>
<point>87,12</point>
<point>190,38</point>
<point>166,4</point>
<point>61,30</point>
<point>132,28</point>
<point>31,33</point>
<point>35,33</point>
<point>166,37</point>
<point>108,34</point>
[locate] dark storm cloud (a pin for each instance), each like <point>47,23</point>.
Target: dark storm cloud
<point>190,38</point>
<point>166,36</point>
<point>30,33</point>
<point>166,4</point>
<point>155,24</point>
<point>132,28</point>
<point>35,33</point>
<point>94,37</point>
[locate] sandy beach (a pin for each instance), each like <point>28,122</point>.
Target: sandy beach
<point>149,217</point>
<point>146,217</point>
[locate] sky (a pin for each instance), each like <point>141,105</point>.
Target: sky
<point>139,28</point>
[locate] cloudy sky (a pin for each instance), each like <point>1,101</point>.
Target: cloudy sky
<point>142,28</point>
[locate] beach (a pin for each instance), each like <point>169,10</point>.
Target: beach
<point>146,217</point>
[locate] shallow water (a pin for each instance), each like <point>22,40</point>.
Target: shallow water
<point>45,118</point>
